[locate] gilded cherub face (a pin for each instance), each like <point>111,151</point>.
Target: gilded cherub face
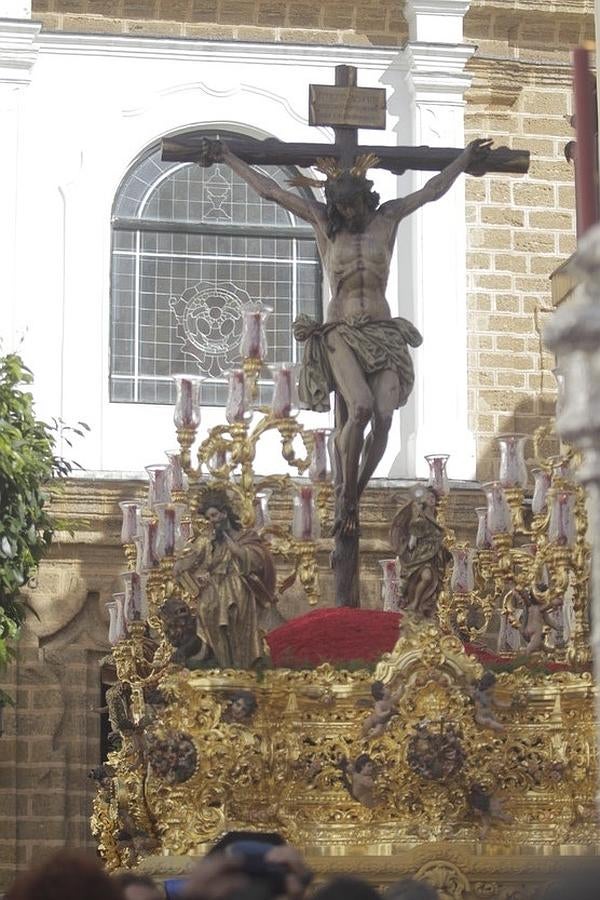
<point>239,709</point>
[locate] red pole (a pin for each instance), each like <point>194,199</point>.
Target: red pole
<point>586,182</point>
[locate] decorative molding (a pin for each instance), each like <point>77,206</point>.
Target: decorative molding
<point>215,51</point>
<point>534,7</point>
<point>498,78</point>
<point>438,69</point>
<point>435,20</point>
<point>19,48</point>
<point>223,93</point>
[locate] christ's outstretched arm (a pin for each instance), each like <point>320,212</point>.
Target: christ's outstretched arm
<point>309,210</point>
<point>468,161</point>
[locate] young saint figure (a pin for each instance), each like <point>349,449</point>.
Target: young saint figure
<point>360,351</point>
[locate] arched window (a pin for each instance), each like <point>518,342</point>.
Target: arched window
<point>191,247</point>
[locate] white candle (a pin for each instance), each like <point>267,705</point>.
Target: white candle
<point>318,465</point>
<point>283,391</point>
<point>235,411</point>
<point>305,524</point>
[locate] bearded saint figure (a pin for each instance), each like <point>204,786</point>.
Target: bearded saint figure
<point>418,541</point>
<point>231,576</point>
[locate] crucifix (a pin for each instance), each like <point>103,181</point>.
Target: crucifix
<point>360,352</point>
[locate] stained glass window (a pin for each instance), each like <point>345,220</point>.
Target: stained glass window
<point>191,247</point>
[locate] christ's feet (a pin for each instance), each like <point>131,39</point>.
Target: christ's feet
<point>346,521</point>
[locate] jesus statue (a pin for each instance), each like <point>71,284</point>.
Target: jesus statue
<point>360,352</point>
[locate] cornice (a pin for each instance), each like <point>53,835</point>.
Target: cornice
<point>195,50</point>
<point>498,81</point>
<point>437,7</point>
<point>19,49</point>
<point>519,7</point>
<point>438,68</point>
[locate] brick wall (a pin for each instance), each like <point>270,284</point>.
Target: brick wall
<point>519,229</point>
<point>378,22</point>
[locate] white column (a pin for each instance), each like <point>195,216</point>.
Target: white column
<point>432,245</point>
<point>18,53</point>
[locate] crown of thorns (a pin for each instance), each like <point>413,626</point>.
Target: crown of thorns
<point>215,497</point>
<point>332,170</point>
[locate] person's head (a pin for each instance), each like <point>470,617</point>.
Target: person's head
<point>347,888</point>
<point>67,875</point>
<point>243,705</point>
<point>138,887</point>
<point>411,889</point>
<point>350,201</point>
<point>216,507</point>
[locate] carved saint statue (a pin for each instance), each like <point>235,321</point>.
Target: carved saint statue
<point>231,575</point>
<point>418,542</point>
<point>360,351</point>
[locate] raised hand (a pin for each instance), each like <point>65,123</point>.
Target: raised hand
<point>476,154</point>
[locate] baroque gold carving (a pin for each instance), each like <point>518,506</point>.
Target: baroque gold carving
<point>288,764</point>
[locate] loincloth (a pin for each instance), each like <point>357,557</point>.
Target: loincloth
<point>377,345</point>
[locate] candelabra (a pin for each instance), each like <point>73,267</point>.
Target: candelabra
<point>528,571</point>
<point>155,531</point>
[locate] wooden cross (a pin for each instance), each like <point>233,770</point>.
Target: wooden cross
<point>347,108</point>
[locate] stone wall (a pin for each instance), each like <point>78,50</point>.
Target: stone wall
<point>519,230</point>
<point>378,22</point>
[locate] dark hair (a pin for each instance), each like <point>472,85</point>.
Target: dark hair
<point>247,697</point>
<point>345,188</point>
<point>218,499</point>
<point>67,875</point>
<point>361,761</point>
<point>347,888</point>
<point>270,838</point>
<point>377,690</point>
<point>411,889</point>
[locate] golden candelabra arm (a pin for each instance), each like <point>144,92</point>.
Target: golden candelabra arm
<point>514,498</point>
<point>130,551</point>
<point>185,439</point>
<point>579,652</point>
<point>441,515</point>
<point>325,492</point>
<point>303,555</point>
<point>289,429</point>
<point>252,367</point>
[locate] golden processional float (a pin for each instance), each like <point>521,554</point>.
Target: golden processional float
<point>465,755</point>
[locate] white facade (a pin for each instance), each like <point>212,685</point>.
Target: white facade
<point>77,110</point>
